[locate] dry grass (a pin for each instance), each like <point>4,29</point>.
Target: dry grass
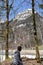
<point>25,61</point>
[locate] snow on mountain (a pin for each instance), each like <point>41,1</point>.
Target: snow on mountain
<point>22,29</point>
<point>2,21</point>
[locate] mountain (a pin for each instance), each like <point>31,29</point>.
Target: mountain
<point>21,30</point>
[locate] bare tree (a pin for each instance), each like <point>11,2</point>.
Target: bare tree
<point>35,34</point>
<point>7,27</point>
<point>6,7</point>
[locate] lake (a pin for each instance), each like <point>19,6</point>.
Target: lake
<point>29,54</point>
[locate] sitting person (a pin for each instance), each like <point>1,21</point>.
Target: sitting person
<point>17,59</point>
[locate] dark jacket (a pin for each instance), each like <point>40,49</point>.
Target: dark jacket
<point>17,59</point>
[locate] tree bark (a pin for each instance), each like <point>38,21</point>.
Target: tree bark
<point>7,29</point>
<point>35,34</point>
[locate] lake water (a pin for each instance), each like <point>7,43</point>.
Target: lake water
<point>11,54</point>
<point>2,54</point>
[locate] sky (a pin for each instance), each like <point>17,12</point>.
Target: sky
<point>20,5</point>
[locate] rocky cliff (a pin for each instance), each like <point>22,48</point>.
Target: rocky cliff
<point>22,29</point>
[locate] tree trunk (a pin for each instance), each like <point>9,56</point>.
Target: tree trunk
<point>7,29</point>
<point>35,34</point>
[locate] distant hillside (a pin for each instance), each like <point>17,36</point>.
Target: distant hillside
<point>21,30</point>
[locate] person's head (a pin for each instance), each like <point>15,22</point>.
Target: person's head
<point>19,48</point>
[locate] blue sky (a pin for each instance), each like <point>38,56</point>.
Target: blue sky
<point>20,5</point>
<point>26,5</point>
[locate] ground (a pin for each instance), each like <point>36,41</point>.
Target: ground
<point>32,62</point>
<point>25,61</point>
